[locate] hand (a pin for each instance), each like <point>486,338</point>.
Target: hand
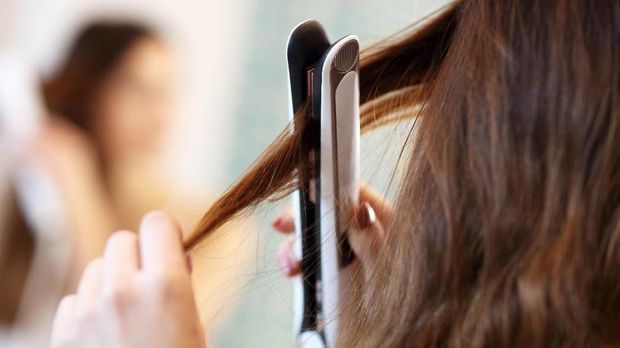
<point>365,236</point>
<point>67,151</point>
<point>70,158</point>
<point>138,295</point>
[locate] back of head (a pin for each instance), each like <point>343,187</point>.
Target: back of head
<point>508,226</point>
<point>507,229</point>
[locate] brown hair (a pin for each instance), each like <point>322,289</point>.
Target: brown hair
<point>96,52</point>
<point>506,231</point>
<point>16,252</point>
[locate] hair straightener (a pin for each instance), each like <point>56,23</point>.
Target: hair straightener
<point>326,76</point>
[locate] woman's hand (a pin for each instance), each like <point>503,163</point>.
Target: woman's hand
<point>138,295</point>
<point>70,157</point>
<point>66,150</point>
<point>365,236</point>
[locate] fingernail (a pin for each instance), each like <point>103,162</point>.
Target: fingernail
<point>366,216</point>
<point>289,264</point>
<point>277,220</point>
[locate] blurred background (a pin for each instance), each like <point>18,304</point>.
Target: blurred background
<point>112,108</point>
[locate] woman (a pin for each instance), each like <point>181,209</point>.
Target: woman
<point>112,100</point>
<point>506,229</point>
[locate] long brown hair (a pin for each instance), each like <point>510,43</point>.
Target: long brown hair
<point>506,231</point>
<point>17,246</point>
<point>96,52</point>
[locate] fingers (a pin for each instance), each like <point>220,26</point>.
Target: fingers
<point>160,245</point>
<point>63,321</point>
<point>366,235</point>
<point>289,264</point>
<point>90,287</point>
<point>365,238</point>
<point>120,258</point>
<point>157,308</point>
<point>285,221</point>
<point>74,307</point>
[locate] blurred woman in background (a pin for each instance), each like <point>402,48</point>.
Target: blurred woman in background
<point>111,102</point>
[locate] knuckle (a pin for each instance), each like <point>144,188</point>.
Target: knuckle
<point>86,317</point>
<point>117,299</point>
<point>286,245</point>
<point>282,249</point>
<point>121,237</point>
<point>290,243</point>
<point>165,287</point>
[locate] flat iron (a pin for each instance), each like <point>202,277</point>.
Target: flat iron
<point>326,76</point>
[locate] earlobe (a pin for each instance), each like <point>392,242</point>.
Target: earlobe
<point>381,207</point>
<point>367,234</point>
<point>365,216</point>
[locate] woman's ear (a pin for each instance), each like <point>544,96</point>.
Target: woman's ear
<point>368,226</point>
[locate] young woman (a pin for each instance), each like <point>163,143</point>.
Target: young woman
<point>102,97</point>
<point>112,103</point>
<point>506,230</point>
<point>111,100</point>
